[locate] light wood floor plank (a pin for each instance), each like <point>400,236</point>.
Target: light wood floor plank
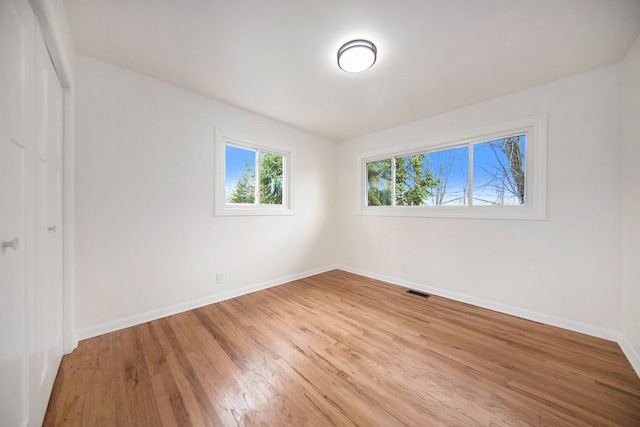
<point>338,349</point>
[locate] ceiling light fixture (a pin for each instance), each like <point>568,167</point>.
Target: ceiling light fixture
<point>356,56</point>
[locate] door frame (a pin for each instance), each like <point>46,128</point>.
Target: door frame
<point>51,17</point>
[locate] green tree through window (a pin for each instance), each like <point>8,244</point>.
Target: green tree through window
<point>439,178</point>
<point>245,189</point>
<point>379,183</point>
<point>415,180</point>
<point>270,182</point>
<point>271,178</point>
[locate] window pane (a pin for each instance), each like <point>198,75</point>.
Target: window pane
<point>240,175</point>
<point>415,180</point>
<point>498,172</point>
<point>379,183</point>
<point>271,181</point>
<point>451,172</point>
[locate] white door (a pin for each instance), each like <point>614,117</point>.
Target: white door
<point>16,229</point>
<point>31,284</point>
<point>48,304</point>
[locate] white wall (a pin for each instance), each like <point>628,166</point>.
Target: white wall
<point>147,240</point>
<point>631,206</point>
<point>567,267</point>
<point>146,236</point>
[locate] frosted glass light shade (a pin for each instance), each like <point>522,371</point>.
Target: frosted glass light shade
<point>356,56</point>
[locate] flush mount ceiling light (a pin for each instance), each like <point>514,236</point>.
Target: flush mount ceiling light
<point>356,56</point>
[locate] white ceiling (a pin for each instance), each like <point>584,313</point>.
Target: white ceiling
<point>277,58</point>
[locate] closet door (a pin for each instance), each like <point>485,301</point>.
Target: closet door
<point>48,303</point>
<point>16,206</point>
<point>31,260</point>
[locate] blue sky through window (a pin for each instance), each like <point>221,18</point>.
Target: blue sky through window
<point>451,167</point>
<point>494,182</point>
<point>235,159</point>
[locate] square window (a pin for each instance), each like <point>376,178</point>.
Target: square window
<point>251,178</point>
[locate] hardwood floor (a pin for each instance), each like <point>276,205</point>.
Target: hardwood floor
<point>338,349</point>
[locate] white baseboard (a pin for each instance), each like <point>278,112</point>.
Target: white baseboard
<point>535,316</point>
<point>148,316</point>
<point>627,348</point>
<point>630,352</point>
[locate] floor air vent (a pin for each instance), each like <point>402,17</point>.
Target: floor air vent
<point>420,294</point>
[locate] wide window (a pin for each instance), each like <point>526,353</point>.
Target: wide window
<point>252,179</point>
<point>498,172</point>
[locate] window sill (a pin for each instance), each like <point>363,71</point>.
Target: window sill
<point>468,212</point>
<point>253,211</point>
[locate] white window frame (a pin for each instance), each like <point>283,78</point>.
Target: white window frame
<point>535,129</point>
<point>224,137</point>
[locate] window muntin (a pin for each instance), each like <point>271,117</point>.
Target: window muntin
<point>496,173</point>
<point>251,179</point>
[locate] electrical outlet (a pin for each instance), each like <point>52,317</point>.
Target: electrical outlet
<point>403,267</point>
<point>219,277</point>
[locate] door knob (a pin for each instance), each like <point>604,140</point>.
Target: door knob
<point>10,244</point>
<point>52,228</point>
